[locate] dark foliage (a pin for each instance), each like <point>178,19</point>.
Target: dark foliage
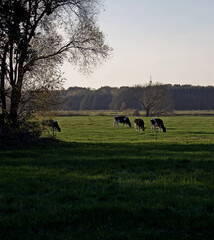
<point>183,97</point>
<point>24,133</point>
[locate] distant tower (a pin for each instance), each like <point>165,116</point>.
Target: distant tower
<point>150,82</point>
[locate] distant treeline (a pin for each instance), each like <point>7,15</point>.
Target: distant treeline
<point>183,97</point>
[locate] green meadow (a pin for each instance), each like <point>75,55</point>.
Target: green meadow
<point>103,183</point>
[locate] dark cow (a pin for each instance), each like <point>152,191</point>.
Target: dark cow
<point>123,120</point>
<point>156,122</point>
<point>52,124</point>
<point>139,124</point>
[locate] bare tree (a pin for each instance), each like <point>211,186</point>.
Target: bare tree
<point>154,99</point>
<point>36,36</point>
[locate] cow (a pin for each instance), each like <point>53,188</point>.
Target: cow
<point>122,119</point>
<point>52,124</point>
<point>157,122</point>
<point>139,124</point>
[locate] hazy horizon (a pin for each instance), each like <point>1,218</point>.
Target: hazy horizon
<point>134,85</point>
<point>170,40</point>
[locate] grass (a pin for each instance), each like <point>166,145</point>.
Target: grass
<point>110,183</point>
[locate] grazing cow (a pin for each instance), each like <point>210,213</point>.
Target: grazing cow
<point>156,122</point>
<point>139,124</point>
<point>52,124</point>
<point>123,120</point>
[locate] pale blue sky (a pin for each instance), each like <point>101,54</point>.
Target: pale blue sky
<point>171,40</point>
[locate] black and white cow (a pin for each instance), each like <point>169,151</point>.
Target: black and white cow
<point>139,124</point>
<point>123,120</point>
<point>52,124</point>
<point>157,122</point>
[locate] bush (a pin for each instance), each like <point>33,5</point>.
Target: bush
<point>136,113</point>
<point>25,130</point>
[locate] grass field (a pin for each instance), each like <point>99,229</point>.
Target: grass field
<point>103,183</point>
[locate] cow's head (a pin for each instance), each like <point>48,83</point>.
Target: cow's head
<point>128,122</point>
<point>56,125</point>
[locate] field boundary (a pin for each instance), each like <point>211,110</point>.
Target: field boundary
<point>126,112</point>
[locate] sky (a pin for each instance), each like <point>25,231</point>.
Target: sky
<point>167,41</point>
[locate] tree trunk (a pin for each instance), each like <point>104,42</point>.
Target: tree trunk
<point>147,112</point>
<point>16,97</point>
<point>2,88</point>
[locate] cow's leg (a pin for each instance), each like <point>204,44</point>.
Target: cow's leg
<point>114,123</point>
<point>153,127</point>
<point>54,132</point>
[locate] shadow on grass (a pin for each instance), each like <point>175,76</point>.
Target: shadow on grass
<point>204,133</point>
<point>109,155</point>
<point>107,191</point>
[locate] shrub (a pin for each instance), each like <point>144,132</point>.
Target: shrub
<point>25,130</point>
<point>136,113</point>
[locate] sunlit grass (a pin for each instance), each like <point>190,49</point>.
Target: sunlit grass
<point>100,129</point>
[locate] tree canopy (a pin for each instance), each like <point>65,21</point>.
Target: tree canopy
<point>179,97</point>
<point>36,36</point>
<point>153,98</point>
